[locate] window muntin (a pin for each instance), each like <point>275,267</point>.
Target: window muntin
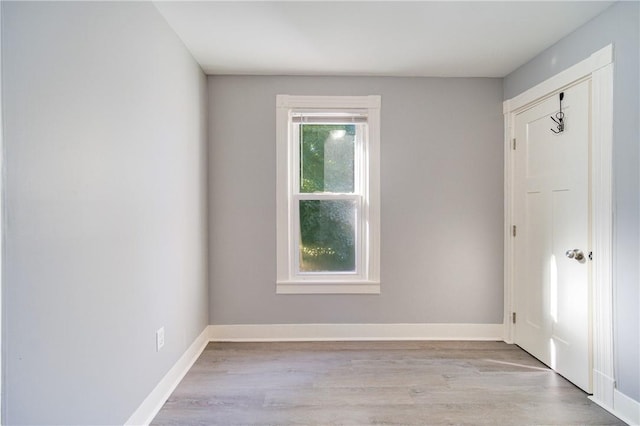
<point>328,202</point>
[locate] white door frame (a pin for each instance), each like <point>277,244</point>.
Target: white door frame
<point>1,216</point>
<point>599,68</point>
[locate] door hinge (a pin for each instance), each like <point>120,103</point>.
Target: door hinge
<point>513,231</point>
<point>513,317</point>
<point>514,143</point>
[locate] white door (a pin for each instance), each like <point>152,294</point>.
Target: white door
<point>552,241</point>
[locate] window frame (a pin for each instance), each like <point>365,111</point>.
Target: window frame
<point>366,279</point>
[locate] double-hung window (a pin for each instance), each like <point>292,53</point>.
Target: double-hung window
<point>328,203</point>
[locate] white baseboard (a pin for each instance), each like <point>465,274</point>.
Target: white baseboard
<point>603,387</point>
<point>346,332</point>
<point>159,395</point>
<point>625,408</point>
<point>608,397</point>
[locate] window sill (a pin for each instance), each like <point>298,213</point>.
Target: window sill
<point>323,287</point>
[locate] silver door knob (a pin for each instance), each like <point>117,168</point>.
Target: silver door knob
<point>576,254</point>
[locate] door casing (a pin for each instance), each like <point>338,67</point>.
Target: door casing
<point>599,69</point>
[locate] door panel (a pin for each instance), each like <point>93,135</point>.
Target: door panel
<point>534,259</point>
<point>551,210</point>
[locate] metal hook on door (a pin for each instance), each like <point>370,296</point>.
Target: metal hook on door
<point>559,118</point>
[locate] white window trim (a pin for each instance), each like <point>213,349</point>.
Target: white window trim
<point>368,282</point>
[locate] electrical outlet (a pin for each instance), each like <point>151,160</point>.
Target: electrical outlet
<point>159,339</point>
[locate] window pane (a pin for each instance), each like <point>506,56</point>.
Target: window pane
<point>326,157</point>
<point>327,236</point>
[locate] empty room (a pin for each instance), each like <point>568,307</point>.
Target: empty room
<point>320,212</point>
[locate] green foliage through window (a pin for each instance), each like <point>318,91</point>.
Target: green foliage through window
<point>327,157</point>
<point>327,227</point>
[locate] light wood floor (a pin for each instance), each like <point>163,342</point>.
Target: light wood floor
<point>375,383</point>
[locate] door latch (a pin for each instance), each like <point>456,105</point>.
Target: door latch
<point>576,254</point>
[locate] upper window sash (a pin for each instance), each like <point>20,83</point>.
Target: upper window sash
<point>359,161</point>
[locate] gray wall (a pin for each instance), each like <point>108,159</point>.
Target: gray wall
<point>105,139</point>
<point>441,202</point>
<point>620,25</point>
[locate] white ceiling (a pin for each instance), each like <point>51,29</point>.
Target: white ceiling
<point>389,38</point>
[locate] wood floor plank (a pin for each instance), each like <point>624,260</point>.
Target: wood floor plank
<point>367,383</point>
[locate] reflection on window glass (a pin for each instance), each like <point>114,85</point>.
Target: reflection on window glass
<point>327,235</point>
<point>326,157</point>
